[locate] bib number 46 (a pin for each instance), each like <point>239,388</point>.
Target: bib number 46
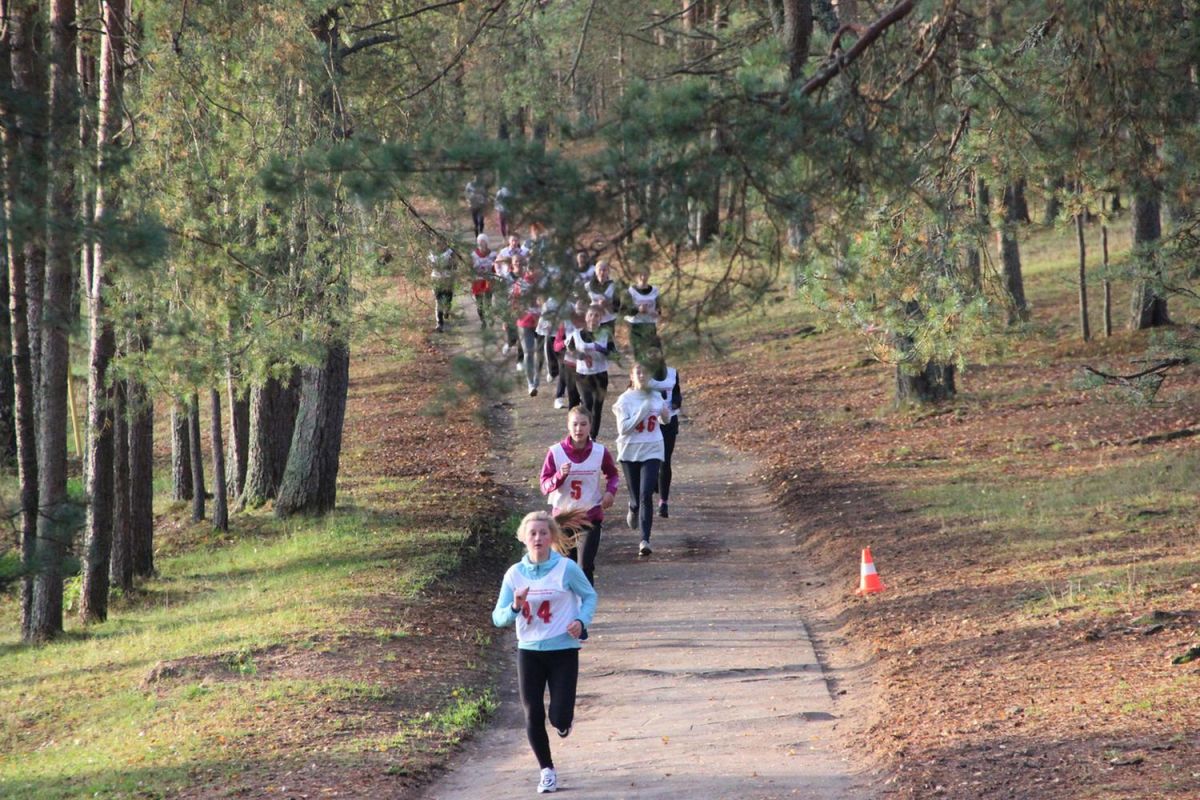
<point>647,426</point>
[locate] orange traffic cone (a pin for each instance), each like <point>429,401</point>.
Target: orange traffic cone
<point>868,580</point>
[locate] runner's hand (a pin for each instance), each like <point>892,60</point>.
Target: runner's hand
<point>607,500</point>
<point>575,628</point>
<point>519,596</point>
<point>564,470</point>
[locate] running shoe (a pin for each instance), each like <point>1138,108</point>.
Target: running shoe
<point>520,366</point>
<point>662,510</point>
<point>533,391</point>
<point>549,781</point>
<point>560,402</point>
<point>507,347</point>
<point>565,732</point>
<point>631,517</point>
<point>644,548</point>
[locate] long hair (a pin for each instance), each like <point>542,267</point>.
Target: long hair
<point>564,528</point>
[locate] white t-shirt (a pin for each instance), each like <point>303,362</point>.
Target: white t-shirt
<point>604,298</point>
<point>667,387</point>
<point>639,435</point>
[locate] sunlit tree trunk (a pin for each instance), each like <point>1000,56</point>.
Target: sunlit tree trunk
<point>220,495</point>
<point>1010,255</point>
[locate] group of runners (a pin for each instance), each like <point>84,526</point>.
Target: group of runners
<point>561,323</point>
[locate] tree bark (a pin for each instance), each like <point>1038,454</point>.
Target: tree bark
<point>1010,256</point>
<point>181,454</point>
<point>22,242</point>
<point>1084,326</point>
<point>309,483</point>
<point>273,407</point>
<point>122,563</point>
<point>141,477</point>
<point>796,34</point>
<point>195,450</point>
<point>1148,309</point>
<point>932,384</point>
<point>93,605</point>
<point>54,528</point>
<point>239,434</point>
<point>220,497</point>
<point>1108,329</point>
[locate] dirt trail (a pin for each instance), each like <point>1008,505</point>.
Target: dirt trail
<point>699,680</point>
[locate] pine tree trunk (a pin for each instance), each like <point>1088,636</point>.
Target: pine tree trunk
<point>273,409</point>
<point>1148,309</point>
<point>93,605</point>
<point>309,483</point>
<point>1085,329</point>
<point>933,384</point>
<point>196,451</point>
<point>19,148</point>
<point>8,419</point>
<point>122,565</point>
<point>239,435</point>
<point>141,477</point>
<point>220,496</point>
<point>181,453</point>
<point>1053,204</point>
<point>54,529</point>
<point>1108,329</point>
<point>1010,256</point>
<point>796,34</point>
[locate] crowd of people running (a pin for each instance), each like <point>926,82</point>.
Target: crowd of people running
<point>557,318</point>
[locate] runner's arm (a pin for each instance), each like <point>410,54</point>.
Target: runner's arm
<point>503,614</point>
<point>551,480</point>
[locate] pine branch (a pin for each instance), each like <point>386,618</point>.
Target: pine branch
<point>876,29</point>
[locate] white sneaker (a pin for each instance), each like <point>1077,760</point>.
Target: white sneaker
<point>549,377</point>
<point>506,349</point>
<point>520,367</point>
<point>549,781</point>
<point>560,402</point>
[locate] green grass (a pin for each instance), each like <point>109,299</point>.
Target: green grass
<point>76,717</point>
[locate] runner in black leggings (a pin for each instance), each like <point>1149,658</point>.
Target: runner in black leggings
<point>666,380</point>
<point>551,602</point>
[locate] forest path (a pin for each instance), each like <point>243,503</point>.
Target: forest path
<point>699,679</point>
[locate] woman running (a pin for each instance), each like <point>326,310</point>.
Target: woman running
<point>566,393</point>
<point>579,474</point>
<point>483,259</point>
<point>528,312</point>
<point>475,193</point>
<point>552,603</point>
<point>641,412</point>
<point>666,380</point>
<point>442,275</point>
<point>591,366</point>
<point>643,325</point>
<point>602,291</point>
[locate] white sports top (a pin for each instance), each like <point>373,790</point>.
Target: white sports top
<point>645,441</point>
<point>651,300</point>
<point>604,298</point>
<point>584,487</point>
<point>599,355</point>
<point>549,607</point>
<point>667,387</point>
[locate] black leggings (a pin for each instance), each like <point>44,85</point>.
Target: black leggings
<point>537,669</point>
<point>591,544</point>
<point>592,391</point>
<point>567,382</point>
<point>641,478</point>
<point>669,432</point>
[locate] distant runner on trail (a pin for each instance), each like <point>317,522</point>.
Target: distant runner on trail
<point>566,394</point>
<point>641,413</point>
<point>552,602</point>
<point>483,261</point>
<point>666,380</point>
<point>579,474</point>
<point>442,275</point>
<point>592,345</point>
<point>602,291</point>
<point>643,325</point>
<point>475,193</point>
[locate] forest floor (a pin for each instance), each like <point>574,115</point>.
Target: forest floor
<point>1037,545</point>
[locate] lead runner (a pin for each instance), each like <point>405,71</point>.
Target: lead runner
<point>552,603</point>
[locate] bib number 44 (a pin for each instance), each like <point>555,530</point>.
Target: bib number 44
<point>543,612</point>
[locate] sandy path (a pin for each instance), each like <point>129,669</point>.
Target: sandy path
<point>699,680</point>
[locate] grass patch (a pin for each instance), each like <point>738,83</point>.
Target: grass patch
<point>292,582</point>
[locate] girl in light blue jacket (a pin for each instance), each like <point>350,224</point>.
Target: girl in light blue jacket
<point>552,603</point>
